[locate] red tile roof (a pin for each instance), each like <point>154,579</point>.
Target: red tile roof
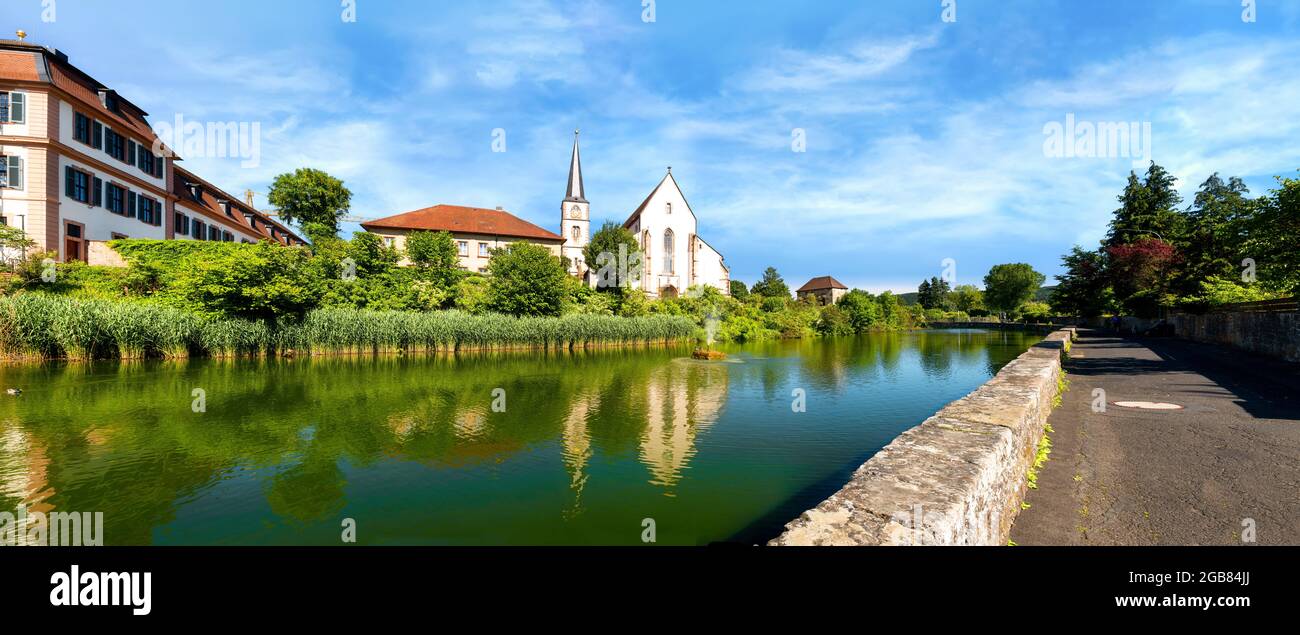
<point>822,282</point>
<point>18,65</point>
<point>464,220</point>
<point>209,203</point>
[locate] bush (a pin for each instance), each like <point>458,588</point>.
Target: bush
<point>263,281</point>
<point>526,279</point>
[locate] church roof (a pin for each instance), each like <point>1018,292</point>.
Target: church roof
<point>822,282</point>
<point>464,220</point>
<point>575,193</point>
<point>641,208</point>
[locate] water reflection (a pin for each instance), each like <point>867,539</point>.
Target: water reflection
<point>588,443</point>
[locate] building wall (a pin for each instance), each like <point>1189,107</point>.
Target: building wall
<point>824,296</point>
<point>189,209</point>
<point>470,261</point>
<point>691,264</point>
<point>709,268</point>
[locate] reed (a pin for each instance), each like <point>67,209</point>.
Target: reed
<point>35,326</point>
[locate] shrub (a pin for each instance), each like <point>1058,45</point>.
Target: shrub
<point>526,279</point>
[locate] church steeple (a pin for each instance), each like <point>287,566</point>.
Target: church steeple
<point>575,192</point>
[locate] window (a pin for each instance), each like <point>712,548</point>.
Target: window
<point>483,250</point>
<point>577,233</point>
<point>116,201</point>
<point>150,210</point>
<point>81,128</point>
<point>117,236</point>
<point>11,172</point>
<point>227,237</point>
<point>668,252</point>
<point>214,233</point>
<point>13,108</point>
<point>670,208</point>
<point>148,163</point>
<point>76,185</point>
<point>182,224</point>
<point>462,248</point>
<point>114,144</point>
<point>200,230</point>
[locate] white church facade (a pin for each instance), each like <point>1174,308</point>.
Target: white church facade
<point>674,256</point>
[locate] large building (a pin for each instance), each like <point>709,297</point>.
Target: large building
<point>675,257</point>
<point>80,168</point>
<point>476,231</point>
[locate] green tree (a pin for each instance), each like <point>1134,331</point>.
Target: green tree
<point>967,298</point>
<point>432,250</point>
<point>1008,286</point>
<point>1084,289</point>
<point>933,293</point>
<point>311,197</point>
<point>526,279</point>
<point>1272,235</point>
<point>834,321</point>
<point>1210,245</point>
<point>371,255</point>
<point>771,286</point>
<point>738,290</point>
<point>615,255</point>
<point>1147,207</point>
<point>472,294</point>
<point>263,281</point>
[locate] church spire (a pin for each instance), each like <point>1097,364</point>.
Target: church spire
<point>575,192</point>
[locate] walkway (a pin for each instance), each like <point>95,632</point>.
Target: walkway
<point>1192,476</point>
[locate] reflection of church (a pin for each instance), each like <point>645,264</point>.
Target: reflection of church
<point>680,401</point>
<point>675,258</point>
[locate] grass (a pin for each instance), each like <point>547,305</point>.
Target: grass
<point>35,326</point>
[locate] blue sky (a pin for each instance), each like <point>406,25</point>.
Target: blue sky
<point>924,137</point>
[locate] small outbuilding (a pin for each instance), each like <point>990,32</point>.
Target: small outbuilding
<point>825,289</point>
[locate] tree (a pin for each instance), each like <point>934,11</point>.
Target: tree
<point>1210,245</point>
<point>526,279</point>
<point>1084,289</point>
<point>432,250</point>
<point>14,245</point>
<point>263,281</point>
<point>370,254</point>
<point>738,290</point>
<point>861,308</point>
<point>771,286</point>
<point>1147,207</point>
<point>967,298</point>
<point>615,255</point>
<point>1272,234</point>
<point>933,293</point>
<point>1141,273</point>
<point>833,321</point>
<point>1008,286</point>
<point>311,197</point>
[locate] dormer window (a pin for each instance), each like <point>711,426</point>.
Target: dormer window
<point>108,98</point>
<point>196,192</point>
<point>225,207</point>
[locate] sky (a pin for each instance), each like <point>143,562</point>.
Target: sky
<point>871,140</point>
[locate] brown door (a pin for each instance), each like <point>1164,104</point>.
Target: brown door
<point>73,243</point>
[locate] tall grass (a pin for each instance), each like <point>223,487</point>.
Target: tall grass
<point>35,326</point>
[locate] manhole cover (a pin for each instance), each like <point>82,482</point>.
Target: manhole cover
<point>1148,405</point>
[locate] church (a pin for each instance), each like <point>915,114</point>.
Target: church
<point>674,256</point>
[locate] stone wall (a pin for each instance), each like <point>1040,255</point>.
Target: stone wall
<point>1273,334</point>
<point>956,479</point>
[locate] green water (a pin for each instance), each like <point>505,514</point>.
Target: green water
<point>589,445</point>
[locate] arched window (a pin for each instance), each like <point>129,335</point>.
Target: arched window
<point>668,252</point>
<point>577,233</point>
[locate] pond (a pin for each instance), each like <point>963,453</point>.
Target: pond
<point>485,449</point>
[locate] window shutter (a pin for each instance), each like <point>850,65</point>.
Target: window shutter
<point>16,172</point>
<point>4,107</point>
<point>97,192</point>
<point>130,152</point>
<point>18,107</point>
<point>130,204</point>
<point>69,181</point>
<point>97,136</point>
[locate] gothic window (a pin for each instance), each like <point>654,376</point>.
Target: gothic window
<point>577,233</point>
<point>668,252</point>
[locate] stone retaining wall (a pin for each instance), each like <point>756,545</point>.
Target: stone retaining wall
<point>1273,334</point>
<point>956,479</point>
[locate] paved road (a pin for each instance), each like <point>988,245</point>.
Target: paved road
<point>1180,477</point>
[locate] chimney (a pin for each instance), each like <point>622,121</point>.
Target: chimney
<point>500,209</point>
